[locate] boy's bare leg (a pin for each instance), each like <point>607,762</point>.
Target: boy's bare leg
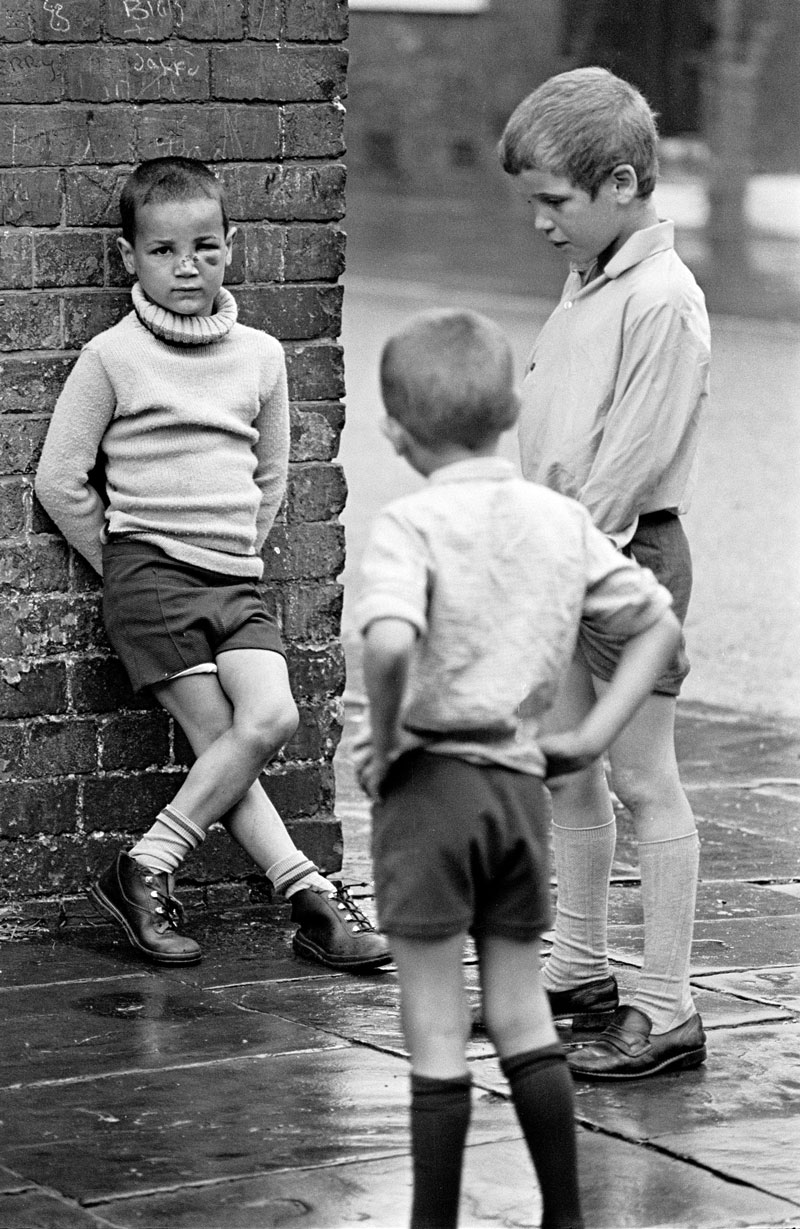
<point>436,1025</point>
<point>519,1022</point>
<point>584,837</point>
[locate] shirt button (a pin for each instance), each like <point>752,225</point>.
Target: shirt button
<point>568,305</point>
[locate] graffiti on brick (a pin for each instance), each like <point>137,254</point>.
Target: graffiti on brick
<point>58,21</point>
<point>142,13</point>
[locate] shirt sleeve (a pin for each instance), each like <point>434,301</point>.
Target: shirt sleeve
<point>80,420</point>
<point>272,447</point>
<point>622,598</point>
<point>394,574</point>
<point>658,394</point>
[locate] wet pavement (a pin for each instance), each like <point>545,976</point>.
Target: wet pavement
<point>255,1090</point>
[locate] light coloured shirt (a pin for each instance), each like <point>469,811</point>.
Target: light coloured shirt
<point>195,439</point>
<point>495,573</point>
<point>616,387</point>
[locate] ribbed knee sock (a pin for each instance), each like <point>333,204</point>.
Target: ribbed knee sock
<point>164,847</point>
<point>440,1113</point>
<point>541,1088</point>
<point>669,887</point>
<point>583,858</point>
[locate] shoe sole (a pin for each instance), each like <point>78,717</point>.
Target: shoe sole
<point>104,905</point>
<point>587,1021</point>
<point>678,1062</point>
<point>309,951</point>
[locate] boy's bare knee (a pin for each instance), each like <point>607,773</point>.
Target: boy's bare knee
<point>641,791</point>
<point>267,729</point>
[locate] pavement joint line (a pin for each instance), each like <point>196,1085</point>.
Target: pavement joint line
<point>683,1157</point>
<point>72,981</point>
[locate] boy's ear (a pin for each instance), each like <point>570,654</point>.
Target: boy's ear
<point>229,244</point>
<point>396,434</point>
<point>625,182</point>
<point>127,254</point>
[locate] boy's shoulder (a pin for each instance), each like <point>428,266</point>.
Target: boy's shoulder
<point>246,335</point>
<point>651,273</point>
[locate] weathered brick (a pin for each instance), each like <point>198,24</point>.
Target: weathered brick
<point>21,443</point>
<point>264,19</point>
<point>30,198</point>
<point>309,612</point>
<point>86,315</point>
<point>316,427</point>
<point>69,258</point>
<point>13,745</point>
<point>111,73</point>
<point>39,563</point>
<point>42,866</point>
<point>16,266</point>
<point>61,748</point>
<point>278,73</point>
<point>28,808</point>
<point>34,627</point>
<point>31,74</point>
<point>29,322</point>
<point>304,552</point>
<point>318,733</point>
<point>92,196</point>
<point>305,790</point>
<point>66,135</point>
<point>127,804</point>
<point>293,312</point>
<point>13,497</point>
<point>316,492</point>
<point>41,689</point>
<point>315,371</point>
<point>316,672</point>
<point>32,384</point>
<point>212,133</point>
<point>313,253</point>
<point>264,244</point>
<point>315,19</point>
<point>313,130</point>
<point>283,193</point>
<point>156,20</point>
<point>15,21</point>
<point>100,685</point>
<point>134,741</point>
<point>72,21</point>
<point>320,839</point>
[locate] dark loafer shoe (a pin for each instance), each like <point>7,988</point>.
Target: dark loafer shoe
<point>589,1006</point>
<point>626,1050</point>
<point>140,901</point>
<point>333,931</point>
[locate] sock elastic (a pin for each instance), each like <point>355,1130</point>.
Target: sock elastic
<point>541,1088</point>
<point>440,1113</point>
<point>295,872</point>
<point>669,888</point>
<point>583,858</point>
<point>164,847</point>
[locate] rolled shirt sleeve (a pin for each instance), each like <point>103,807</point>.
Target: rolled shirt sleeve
<point>394,574</point>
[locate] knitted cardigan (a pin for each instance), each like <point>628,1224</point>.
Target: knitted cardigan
<point>190,417</point>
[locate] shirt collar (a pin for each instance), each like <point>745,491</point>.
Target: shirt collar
<point>486,468</point>
<point>640,245</point>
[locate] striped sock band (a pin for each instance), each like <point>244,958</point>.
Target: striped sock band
<point>288,873</point>
<point>172,836</point>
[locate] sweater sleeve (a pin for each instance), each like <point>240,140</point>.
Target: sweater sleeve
<point>80,419</point>
<point>272,448</point>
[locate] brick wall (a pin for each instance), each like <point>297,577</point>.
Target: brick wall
<point>87,89</point>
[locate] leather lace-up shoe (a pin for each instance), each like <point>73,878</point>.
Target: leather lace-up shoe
<point>140,901</point>
<point>590,1006</point>
<point>333,931</point>
<point>627,1050</point>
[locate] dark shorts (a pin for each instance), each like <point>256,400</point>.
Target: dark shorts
<point>163,616</point>
<point>659,544</point>
<point>459,847</point>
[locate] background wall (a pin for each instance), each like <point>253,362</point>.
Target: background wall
<point>252,87</point>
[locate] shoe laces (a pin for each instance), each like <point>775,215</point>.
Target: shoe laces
<point>346,904</point>
<point>169,908</point>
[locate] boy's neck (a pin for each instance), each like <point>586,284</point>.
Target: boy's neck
<point>640,215</point>
<point>429,459</point>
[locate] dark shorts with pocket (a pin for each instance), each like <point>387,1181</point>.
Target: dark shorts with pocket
<point>163,616</point>
<point>461,847</point>
<point>659,544</point>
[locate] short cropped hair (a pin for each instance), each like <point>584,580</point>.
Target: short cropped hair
<point>167,179</point>
<point>579,125</point>
<point>448,378</point>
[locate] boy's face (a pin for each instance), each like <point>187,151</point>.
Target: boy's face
<point>180,254</point>
<point>571,220</point>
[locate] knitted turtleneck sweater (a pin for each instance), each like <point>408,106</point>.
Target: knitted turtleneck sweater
<point>191,415</point>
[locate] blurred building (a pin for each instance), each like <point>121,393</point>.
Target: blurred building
<point>431,82</point>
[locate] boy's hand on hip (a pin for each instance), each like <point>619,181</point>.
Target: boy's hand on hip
<point>566,753</point>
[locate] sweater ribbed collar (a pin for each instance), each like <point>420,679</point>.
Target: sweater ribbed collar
<point>186,330</point>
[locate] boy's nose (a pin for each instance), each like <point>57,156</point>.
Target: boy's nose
<point>542,222</point>
<point>187,263</point>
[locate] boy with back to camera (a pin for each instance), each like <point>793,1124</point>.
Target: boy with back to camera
<point>611,408</point>
<point>189,410</point>
<point>472,593</point>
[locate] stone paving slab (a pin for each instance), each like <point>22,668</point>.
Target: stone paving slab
<point>719,900</point>
<point>649,1191</point>
<point>777,986</point>
<point>40,1210</point>
<point>719,947</point>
